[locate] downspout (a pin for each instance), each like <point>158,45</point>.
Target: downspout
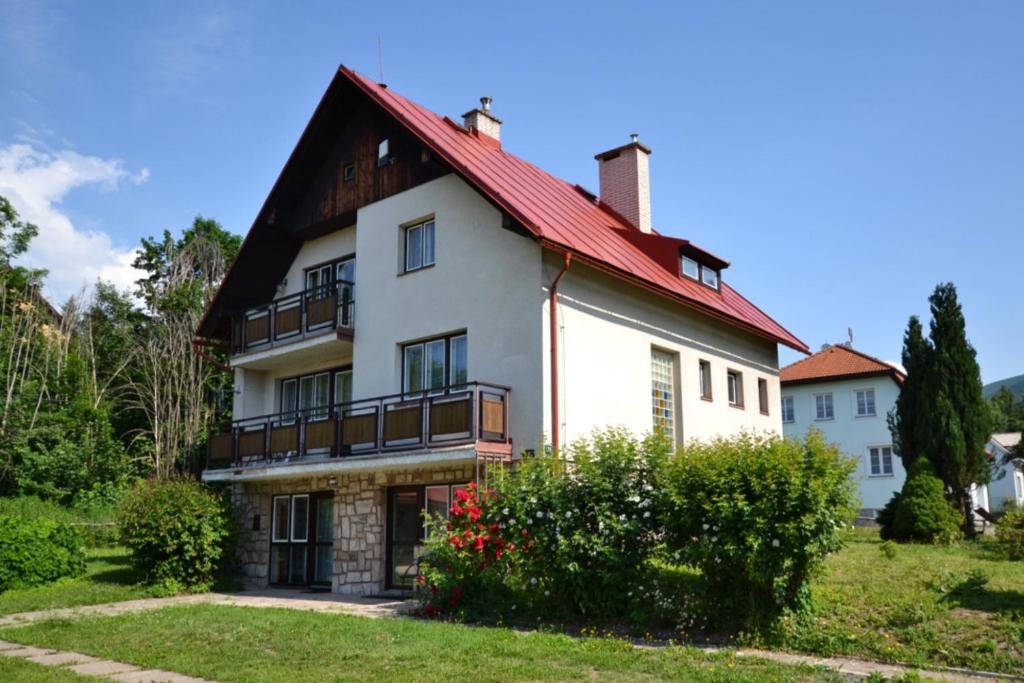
<point>556,441</point>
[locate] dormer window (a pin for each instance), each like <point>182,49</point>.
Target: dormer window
<point>709,276</point>
<point>695,270</point>
<point>383,152</point>
<point>691,268</point>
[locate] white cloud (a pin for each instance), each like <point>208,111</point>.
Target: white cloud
<point>36,183</point>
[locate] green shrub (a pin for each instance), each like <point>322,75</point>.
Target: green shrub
<point>37,550</point>
<point>94,521</point>
<point>757,515</point>
<point>1010,532</point>
<point>556,537</point>
<point>921,512</point>
<point>177,530</point>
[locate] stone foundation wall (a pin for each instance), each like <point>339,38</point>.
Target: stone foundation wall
<point>360,515</point>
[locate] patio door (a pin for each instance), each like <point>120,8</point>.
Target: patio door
<point>301,540</point>
<point>404,534</point>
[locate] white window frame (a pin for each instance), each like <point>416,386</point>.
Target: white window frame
<point>707,392</point>
<point>446,342</point>
<point>687,261</point>
<point>792,409</point>
<point>734,391</point>
<point>856,402</point>
<point>291,519</point>
<point>763,401</point>
<point>427,256</point>
<point>273,520</point>
<point>882,474</point>
<point>832,400</point>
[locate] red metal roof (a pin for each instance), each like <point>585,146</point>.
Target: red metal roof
<point>564,219</point>
<point>837,362</point>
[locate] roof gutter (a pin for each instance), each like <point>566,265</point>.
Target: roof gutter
<point>556,436</point>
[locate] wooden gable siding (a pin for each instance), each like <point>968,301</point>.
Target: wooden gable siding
<point>330,197</point>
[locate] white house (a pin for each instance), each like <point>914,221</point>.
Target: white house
<point>414,304</point>
<point>1005,489</point>
<point>847,394</point>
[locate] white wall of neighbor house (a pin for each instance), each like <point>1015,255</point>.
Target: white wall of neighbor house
<point>854,435</point>
<point>607,330</point>
<point>485,282</point>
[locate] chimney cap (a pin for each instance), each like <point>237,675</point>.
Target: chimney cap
<point>485,103</point>
<point>634,142</point>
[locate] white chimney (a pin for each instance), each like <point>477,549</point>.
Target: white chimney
<point>483,121</point>
<point>626,182</point>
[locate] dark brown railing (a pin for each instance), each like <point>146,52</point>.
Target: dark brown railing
<point>454,415</point>
<point>297,316</point>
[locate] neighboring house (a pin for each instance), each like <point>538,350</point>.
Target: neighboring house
<point>1005,489</point>
<point>847,395</point>
<point>413,304</point>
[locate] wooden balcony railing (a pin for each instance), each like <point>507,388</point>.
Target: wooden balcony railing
<point>310,312</point>
<point>454,415</point>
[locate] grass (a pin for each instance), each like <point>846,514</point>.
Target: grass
<point>256,645</point>
<point>16,669</point>
<point>926,605</point>
<point>108,578</point>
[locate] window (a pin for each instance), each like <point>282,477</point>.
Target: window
<point>435,364</point>
<point>865,402</point>
<point>695,270</point>
<point>823,409</point>
<point>419,246</point>
<point>735,381</point>
<point>788,411</point>
<point>348,173</point>
<point>311,396</point>
<point>709,276</point>
<point>705,380</point>
<point>383,152</point>
<point>301,540</point>
<point>880,461</point>
<point>762,395</point>
<point>663,392</point>
<point>691,268</point>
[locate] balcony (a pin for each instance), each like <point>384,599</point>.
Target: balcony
<point>327,309</point>
<point>472,413</point>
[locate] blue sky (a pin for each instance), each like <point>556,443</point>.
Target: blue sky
<point>845,157</point>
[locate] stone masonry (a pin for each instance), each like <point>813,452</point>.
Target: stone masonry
<point>360,516</point>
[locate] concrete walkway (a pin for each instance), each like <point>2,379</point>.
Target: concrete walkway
<point>93,666</point>
<point>288,599</point>
<point>375,608</point>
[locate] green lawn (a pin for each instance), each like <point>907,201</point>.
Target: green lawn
<point>108,578</point>
<point>253,645</point>
<point>958,606</point>
<point>12,669</point>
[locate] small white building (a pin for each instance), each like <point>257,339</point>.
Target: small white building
<point>847,394</point>
<point>1006,487</point>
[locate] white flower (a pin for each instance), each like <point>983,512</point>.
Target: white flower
<point>540,514</point>
<point>568,514</point>
<point>714,539</point>
<point>705,527</point>
<point>647,514</point>
<point>533,581</point>
<point>775,543</point>
<point>547,593</point>
<point>504,511</point>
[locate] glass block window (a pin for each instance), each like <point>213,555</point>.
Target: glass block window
<point>662,392</point>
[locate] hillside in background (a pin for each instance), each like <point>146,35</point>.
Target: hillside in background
<point>1016,385</point>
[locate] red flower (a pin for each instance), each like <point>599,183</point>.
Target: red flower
<point>525,532</point>
<point>479,545</point>
<point>421,579</point>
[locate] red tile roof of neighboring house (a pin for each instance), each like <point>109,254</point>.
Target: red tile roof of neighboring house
<point>837,362</point>
<point>566,218</point>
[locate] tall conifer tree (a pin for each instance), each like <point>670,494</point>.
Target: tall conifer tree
<point>908,418</point>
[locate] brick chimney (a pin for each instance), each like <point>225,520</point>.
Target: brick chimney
<point>626,182</point>
<point>482,121</point>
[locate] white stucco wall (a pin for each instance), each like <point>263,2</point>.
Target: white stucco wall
<point>316,252</point>
<point>854,435</point>
<point>607,330</point>
<point>485,281</point>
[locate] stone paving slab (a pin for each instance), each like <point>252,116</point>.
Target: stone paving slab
<point>102,667</point>
<point>25,651</point>
<point>155,676</point>
<point>62,659</point>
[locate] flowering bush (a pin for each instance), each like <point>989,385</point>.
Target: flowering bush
<point>555,536</point>
<point>757,515</point>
